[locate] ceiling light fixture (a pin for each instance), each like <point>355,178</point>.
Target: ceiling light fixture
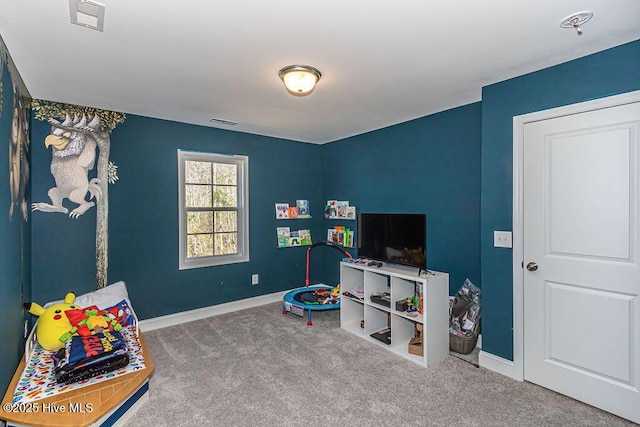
<point>300,80</point>
<point>576,20</point>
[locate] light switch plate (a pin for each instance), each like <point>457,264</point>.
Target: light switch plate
<point>502,239</point>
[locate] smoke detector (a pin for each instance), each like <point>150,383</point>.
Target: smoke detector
<point>576,20</point>
<point>87,13</point>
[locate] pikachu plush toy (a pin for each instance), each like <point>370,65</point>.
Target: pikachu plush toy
<point>53,325</point>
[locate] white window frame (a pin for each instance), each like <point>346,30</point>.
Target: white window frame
<point>242,163</point>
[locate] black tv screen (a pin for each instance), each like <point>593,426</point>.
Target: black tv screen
<point>398,238</point>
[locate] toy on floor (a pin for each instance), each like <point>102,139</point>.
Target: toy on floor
<point>53,324</point>
<point>320,296</point>
<point>315,297</point>
<point>335,293</point>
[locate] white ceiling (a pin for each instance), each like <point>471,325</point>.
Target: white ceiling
<point>382,62</point>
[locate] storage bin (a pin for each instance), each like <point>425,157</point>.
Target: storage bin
<point>463,345</point>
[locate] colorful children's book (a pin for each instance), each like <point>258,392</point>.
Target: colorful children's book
<point>282,210</point>
<point>303,208</point>
<point>340,235</point>
<point>288,238</point>
<point>351,212</point>
<point>283,231</point>
<point>331,211</point>
<point>305,237</point>
<point>347,242</point>
<point>294,238</point>
<point>341,208</point>
<point>293,212</point>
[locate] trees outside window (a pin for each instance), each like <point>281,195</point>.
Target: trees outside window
<point>214,211</point>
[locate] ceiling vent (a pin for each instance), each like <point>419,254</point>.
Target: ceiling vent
<point>223,121</point>
<point>87,13</point>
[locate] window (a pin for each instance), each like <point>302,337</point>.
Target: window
<point>214,209</point>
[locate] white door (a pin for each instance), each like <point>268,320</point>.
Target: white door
<point>582,231</point>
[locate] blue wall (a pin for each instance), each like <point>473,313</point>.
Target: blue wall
<point>14,247</point>
<point>429,165</point>
<point>143,219</point>
<point>433,165</point>
<point>606,73</point>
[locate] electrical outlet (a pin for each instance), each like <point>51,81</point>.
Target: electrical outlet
<point>502,239</point>
<point>254,279</point>
<point>26,328</point>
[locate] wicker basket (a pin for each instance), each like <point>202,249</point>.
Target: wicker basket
<point>463,345</point>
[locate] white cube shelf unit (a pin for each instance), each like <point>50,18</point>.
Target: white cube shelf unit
<point>401,283</point>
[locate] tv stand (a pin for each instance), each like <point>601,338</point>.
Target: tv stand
<point>366,317</point>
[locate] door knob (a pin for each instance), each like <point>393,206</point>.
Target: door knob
<point>532,266</point>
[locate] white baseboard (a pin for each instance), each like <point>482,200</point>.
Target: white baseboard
<point>202,313</point>
<point>497,364</point>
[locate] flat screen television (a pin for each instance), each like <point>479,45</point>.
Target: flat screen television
<point>398,238</point>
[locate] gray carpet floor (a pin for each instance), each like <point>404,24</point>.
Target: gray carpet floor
<point>258,367</point>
